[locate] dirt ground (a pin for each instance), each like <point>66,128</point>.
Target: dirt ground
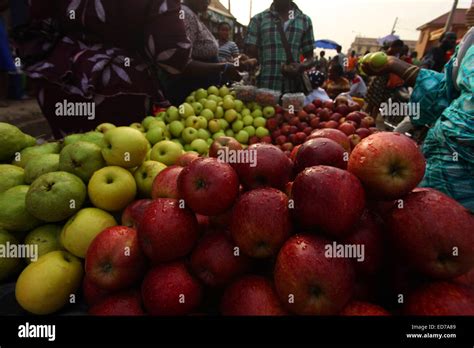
<point>26,115</point>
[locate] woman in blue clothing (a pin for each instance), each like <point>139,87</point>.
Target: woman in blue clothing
<point>447,103</point>
<point>6,60</point>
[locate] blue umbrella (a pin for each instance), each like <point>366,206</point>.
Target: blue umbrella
<point>388,39</point>
<point>327,44</point>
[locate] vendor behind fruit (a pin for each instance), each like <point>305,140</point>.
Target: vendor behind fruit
<point>108,53</point>
<point>447,101</point>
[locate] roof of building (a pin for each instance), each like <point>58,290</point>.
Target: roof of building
<point>458,19</point>
<point>216,6</point>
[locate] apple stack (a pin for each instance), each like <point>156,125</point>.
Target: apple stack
<point>279,237</point>
<point>289,130</point>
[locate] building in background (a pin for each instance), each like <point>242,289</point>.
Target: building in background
<point>431,32</point>
<point>363,44</point>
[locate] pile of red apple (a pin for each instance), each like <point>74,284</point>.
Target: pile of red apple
<point>292,129</point>
<point>237,239</point>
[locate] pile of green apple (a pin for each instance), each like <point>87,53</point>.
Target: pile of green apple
<point>58,196</point>
<point>207,115</point>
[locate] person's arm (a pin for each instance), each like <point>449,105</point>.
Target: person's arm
<point>307,47</point>
<point>252,38</point>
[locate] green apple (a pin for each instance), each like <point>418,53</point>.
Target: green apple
<point>71,139</point>
<point>186,110</point>
<point>230,115</point>
<point>203,101</point>
<point>198,107</point>
<point>257,113</point>
<point>213,90</point>
<point>192,121</point>
<point>176,128</point>
<point>190,99</point>
<point>126,147</point>
<point>172,113</point>
<point>203,134</point>
<point>189,135</point>
<point>46,238</point>
<point>147,121</point>
<point>207,114</point>
<point>202,122</point>
<point>166,152</point>
<point>210,141</point>
<point>242,137</point>
<point>156,123</point>
<point>224,91</point>
<point>156,135</point>
<point>262,132</point>
<point>237,126</point>
<point>211,105</point>
<point>43,164</point>
<point>22,158</point>
<point>55,196</point>
<point>259,122</point>
<point>14,216</point>
<point>11,176</point>
<point>145,175</point>
<point>104,127</point>
<point>200,146</point>
<point>214,126</point>
<point>201,93</point>
<point>13,140</point>
<point>218,135</point>
<point>268,111</point>
<point>219,112</point>
<point>246,112</point>
<point>162,115</point>
<point>81,159</point>
<point>230,133</point>
<point>250,130</point>
<point>82,228</point>
<point>46,286</point>
<point>188,148</point>
<point>112,189</point>
<point>248,120</point>
<point>229,103</point>
<point>224,124</point>
<point>9,266</point>
<point>239,105</point>
<point>256,106</point>
<point>138,126</point>
<point>94,138</point>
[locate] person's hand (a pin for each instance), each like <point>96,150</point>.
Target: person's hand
<point>231,73</point>
<point>292,70</point>
<point>248,64</point>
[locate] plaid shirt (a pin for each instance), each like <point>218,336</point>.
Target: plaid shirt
<point>263,33</point>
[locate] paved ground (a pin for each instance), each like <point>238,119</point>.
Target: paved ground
<point>26,115</point>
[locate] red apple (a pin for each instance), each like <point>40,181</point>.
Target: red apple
<point>300,138</point>
<point>433,234</point>
<point>329,199</point>
<point>355,117</point>
<point>169,289</point>
<point>209,186</point>
<point>114,260</point>
<point>266,140</point>
<point>92,293</point>
<point>132,215</point>
<point>308,131</point>
<point>342,120</point>
<point>285,130</point>
<point>331,124</point>
<point>322,125</point>
<point>272,124</point>
<point>168,230</point>
<point>347,128</point>
<point>254,140</point>
<point>314,123</point>
<point>320,151</point>
<point>364,309</point>
<point>363,133</point>
<point>369,234</point>
<point>354,139</point>
<point>335,117</point>
<point>329,105</point>
<point>128,303</point>
<point>280,140</point>
<point>186,158</point>
<point>367,122</point>
<point>440,299</point>
<point>310,108</point>
<point>251,296</point>
<point>287,147</point>
<point>302,115</point>
<point>295,121</point>
<point>389,165</point>
<point>324,115</point>
<point>308,282</point>
<point>223,142</point>
<point>273,168</point>
<point>165,184</point>
<point>467,279</point>
<point>303,126</point>
<point>261,222</point>
<point>215,261</point>
<point>318,103</point>
<point>374,130</point>
<point>293,130</point>
<point>332,134</point>
<point>343,109</point>
<point>276,134</point>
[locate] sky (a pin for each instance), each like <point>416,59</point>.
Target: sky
<point>343,20</point>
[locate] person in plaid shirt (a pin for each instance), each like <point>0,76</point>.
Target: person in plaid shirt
<point>263,41</point>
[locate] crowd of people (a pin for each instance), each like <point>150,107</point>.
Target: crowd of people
<point>128,56</point>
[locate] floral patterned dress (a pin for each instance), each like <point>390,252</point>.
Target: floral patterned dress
<point>105,52</point>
